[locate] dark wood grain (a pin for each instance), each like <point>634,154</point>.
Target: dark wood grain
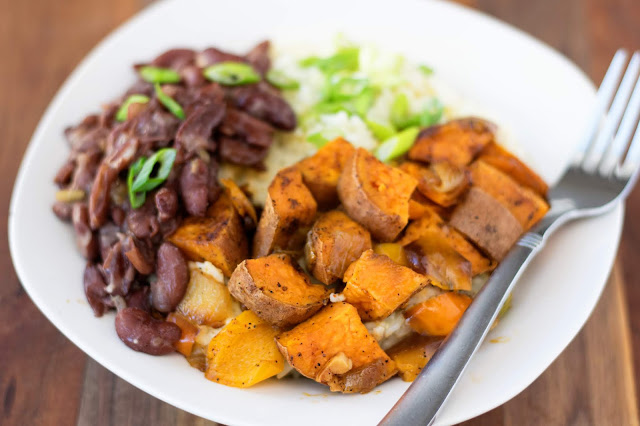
<point>44,379</point>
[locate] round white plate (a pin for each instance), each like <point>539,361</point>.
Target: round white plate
<point>540,96</point>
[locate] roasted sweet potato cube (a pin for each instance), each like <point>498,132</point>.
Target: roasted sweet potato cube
<point>334,242</point>
<point>189,333</point>
<point>412,354</point>
<point>376,195</point>
<point>432,255</point>
<point>442,183</point>
<point>439,315</point>
<point>488,223</point>
<point>457,142</point>
<point>393,251</point>
<point>277,290</point>
<point>525,205</point>
<point>218,238</point>
<point>333,347</point>
<point>419,206</point>
<point>377,286</point>
<point>207,300</point>
<point>244,352</point>
<point>241,202</point>
<point>430,222</point>
<point>322,170</point>
<point>288,213</point>
<point>498,157</point>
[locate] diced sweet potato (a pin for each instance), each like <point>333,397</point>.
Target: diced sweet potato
<point>334,242</point>
<point>393,251</point>
<point>376,195</point>
<point>218,238</point>
<point>244,353</point>
<point>334,348</point>
<point>277,290</point>
<point>288,212</point>
<point>207,300</point>
<point>439,315</point>
<point>189,333</point>
<point>432,255</point>
<point>322,170</point>
<point>419,206</point>
<point>488,223</point>
<point>412,354</point>
<point>525,205</point>
<point>377,286</point>
<point>432,223</point>
<point>241,202</point>
<point>442,183</point>
<point>498,157</point>
<point>457,142</point>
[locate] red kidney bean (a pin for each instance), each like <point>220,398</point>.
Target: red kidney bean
<point>119,272</point>
<point>139,254</point>
<point>166,203</point>
<point>94,289</point>
<point>194,180</point>
<point>173,276</point>
<point>62,210</point>
<point>142,333</point>
<point>63,177</point>
<point>143,222</point>
<point>140,298</point>
<point>86,239</point>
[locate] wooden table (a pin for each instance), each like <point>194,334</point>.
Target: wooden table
<point>45,379</point>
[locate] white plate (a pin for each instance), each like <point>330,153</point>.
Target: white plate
<point>538,94</point>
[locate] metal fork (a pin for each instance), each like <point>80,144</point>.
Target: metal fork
<point>600,176</point>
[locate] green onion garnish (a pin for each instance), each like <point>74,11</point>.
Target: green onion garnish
<point>281,80</point>
<point>158,75</point>
<point>380,131</point>
<point>345,59</point>
<point>169,102</point>
<point>318,139</point>
<point>430,115</point>
<point>399,110</point>
<point>121,115</point>
<point>343,88</point>
<point>232,73</point>
<point>397,145</point>
<point>426,70</point>
<point>136,199</point>
<point>145,179</point>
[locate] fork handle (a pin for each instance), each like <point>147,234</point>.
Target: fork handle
<point>427,394</point>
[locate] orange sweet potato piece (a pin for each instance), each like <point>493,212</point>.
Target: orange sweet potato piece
<point>334,242</point>
<point>244,353</point>
<point>218,238</point>
<point>525,205</point>
<point>442,183</point>
<point>457,142</point>
<point>439,315</point>
<point>241,202</point>
<point>277,290</point>
<point>376,195</point>
<point>412,354</point>
<point>486,222</point>
<point>498,157</point>
<point>189,333</point>
<point>432,255</point>
<point>432,223</point>
<point>334,348</point>
<point>322,170</point>
<point>420,206</point>
<point>393,251</point>
<point>288,212</point>
<point>377,286</point>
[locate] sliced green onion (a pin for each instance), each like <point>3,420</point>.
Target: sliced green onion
<point>317,139</point>
<point>158,75</point>
<point>363,102</point>
<point>399,110</point>
<point>281,80</point>
<point>136,199</point>
<point>397,145</point>
<point>380,131</point>
<point>343,88</point>
<point>345,59</point>
<point>169,102</point>
<point>426,70</point>
<point>121,115</point>
<point>145,179</point>
<point>430,115</point>
<point>331,107</point>
<point>232,73</point>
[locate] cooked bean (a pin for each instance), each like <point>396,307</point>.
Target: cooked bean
<point>263,103</point>
<point>139,254</point>
<point>259,57</point>
<point>175,58</point>
<point>173,276</point>
<point>62,210</point>
<point>99,197</point>
<point>239,152</point>
<point>192,76</point>
<point>240,125</point>
<point>94,289</point>
<point>118,215</point>
<point>140,298</point>
<point>166,200</point>
<point>142,333</point>
<point>89,135</point>
<point>194,180</point>
<point>214,188</point>
<point>87,164</point>
<point>155,124</point>
<point>118,271</point>
<point>107,237</point>
<point>143,222</point>
<point>195,133</point>
<point>86,240</point>
<point>212,56</point>
<point>63,177</point>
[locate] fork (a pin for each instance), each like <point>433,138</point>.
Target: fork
<point>599,177</point>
